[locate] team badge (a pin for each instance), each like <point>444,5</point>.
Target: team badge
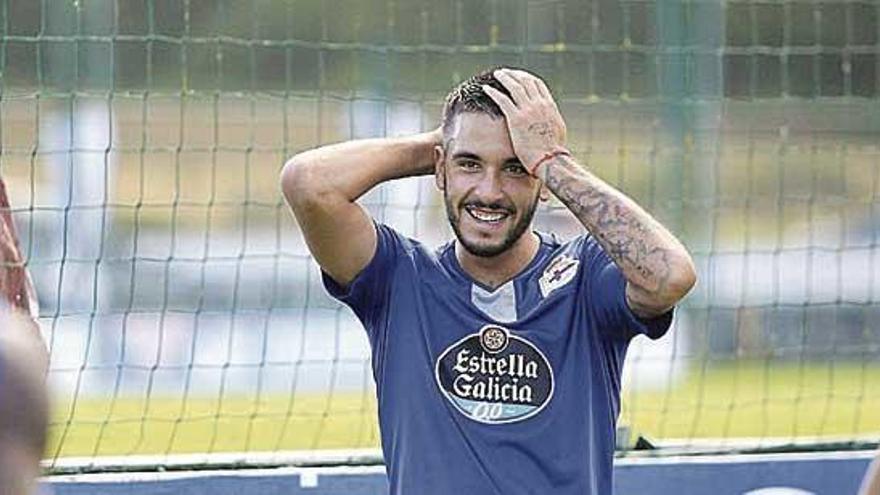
<point>495,377</point>
<point>558,273</point>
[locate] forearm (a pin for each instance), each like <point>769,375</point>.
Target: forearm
<point>352,168</point>
<point>322,186</point>
<point>658,269</point>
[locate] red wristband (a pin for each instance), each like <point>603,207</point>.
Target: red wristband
<point>548,156</point>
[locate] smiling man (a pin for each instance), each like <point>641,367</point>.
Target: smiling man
<point>497,357</point>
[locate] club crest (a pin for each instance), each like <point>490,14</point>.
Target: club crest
<point>559,272</point>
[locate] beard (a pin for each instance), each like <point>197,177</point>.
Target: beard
<point>453,214</point>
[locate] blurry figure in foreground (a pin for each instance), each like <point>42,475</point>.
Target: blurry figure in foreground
<point>23,403</point>
<point>23,364</point>
<point>871,483</point>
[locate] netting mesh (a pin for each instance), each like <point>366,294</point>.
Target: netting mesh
<point>142,140</point>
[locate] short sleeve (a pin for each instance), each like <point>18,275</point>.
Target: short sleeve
<point>606,297</point>
<point>367,294</point>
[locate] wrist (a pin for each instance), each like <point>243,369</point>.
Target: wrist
<point>423,150</point>
<point>434,137</point>
<point>547,157</point>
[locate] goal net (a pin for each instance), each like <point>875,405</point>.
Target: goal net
<point>141,141</point>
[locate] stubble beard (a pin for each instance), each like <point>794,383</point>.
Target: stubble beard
<point>490,251</point>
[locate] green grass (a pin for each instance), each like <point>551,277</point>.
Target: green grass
<point>758,399</point>
<point>168,425</point>
<point>739,399</point>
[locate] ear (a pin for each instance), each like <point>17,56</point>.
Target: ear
<point>439,167</point>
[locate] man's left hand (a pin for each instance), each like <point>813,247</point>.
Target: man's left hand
<point>536,127</point>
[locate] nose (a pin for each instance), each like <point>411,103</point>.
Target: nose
<point>489,189</point>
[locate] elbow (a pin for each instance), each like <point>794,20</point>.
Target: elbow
<point>299,182</point>
<point>649,302</point>
<point>310,181</point>
<point>682,279</point>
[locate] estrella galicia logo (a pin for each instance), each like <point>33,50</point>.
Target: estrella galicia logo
<point>495,377</point>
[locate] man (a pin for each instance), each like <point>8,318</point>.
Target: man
<point>23,364</point>
<point>497,358</point>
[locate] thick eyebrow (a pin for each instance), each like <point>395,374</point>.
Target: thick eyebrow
<point>466,154</point>
<point>473,156</point>
<point>513,161</point>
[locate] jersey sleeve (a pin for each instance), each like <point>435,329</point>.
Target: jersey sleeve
<point>367,295</point>
<point>606,296</point>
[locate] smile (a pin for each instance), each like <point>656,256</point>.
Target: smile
<point>486,215</point>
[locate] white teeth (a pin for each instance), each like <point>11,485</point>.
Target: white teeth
<point>485,216</point>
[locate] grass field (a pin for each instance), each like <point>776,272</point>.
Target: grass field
<point>738,399</point>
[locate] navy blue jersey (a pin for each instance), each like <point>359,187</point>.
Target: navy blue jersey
<point>511,390</point>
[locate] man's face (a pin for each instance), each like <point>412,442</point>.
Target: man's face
<point>490,197</point>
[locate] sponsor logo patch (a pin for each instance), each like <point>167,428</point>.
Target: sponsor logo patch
<point>495,377</point>
<point>559,272</point>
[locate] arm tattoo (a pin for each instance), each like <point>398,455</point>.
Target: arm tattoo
<point>627,233</point>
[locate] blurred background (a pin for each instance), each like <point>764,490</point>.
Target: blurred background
<point>142,142</point>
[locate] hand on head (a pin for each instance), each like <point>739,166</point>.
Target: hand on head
<point>536,126</point>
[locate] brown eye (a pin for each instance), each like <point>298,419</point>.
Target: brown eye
<point>469,165</point>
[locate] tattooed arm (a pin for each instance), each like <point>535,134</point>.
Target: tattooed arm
<point>658,269</point>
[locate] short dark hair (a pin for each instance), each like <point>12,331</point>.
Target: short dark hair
<point>469,96</point>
